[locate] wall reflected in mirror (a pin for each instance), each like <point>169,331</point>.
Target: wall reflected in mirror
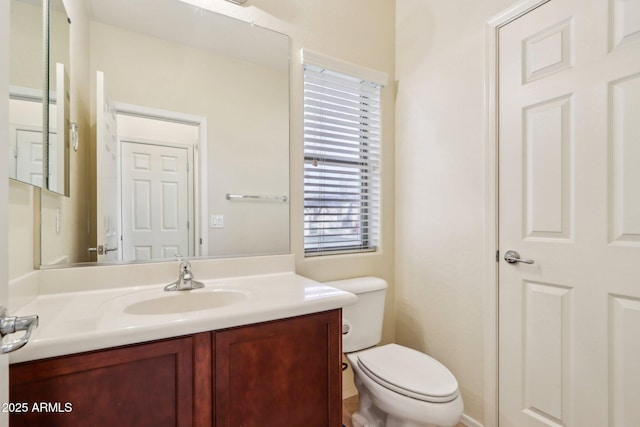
<point>58,86</point>
<point>27,79</point>
<point>184,106</point>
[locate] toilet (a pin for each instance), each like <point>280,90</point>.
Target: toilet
<point>398,386</point>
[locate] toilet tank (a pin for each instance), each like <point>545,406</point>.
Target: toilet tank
<point>362,322</point>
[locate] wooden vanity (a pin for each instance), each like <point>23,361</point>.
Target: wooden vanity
<point>278,373</point>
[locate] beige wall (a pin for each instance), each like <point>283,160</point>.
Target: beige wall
<point>27,59</point>
<point>22,228</point>
<point>440,191</point>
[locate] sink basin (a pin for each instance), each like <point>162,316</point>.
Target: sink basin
<point>185,301</point>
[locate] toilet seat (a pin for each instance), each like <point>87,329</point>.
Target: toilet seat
<point>409,372</point>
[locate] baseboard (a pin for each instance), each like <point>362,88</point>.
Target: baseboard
<point>469,422</point>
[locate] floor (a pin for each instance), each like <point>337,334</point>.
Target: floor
<point>350,405</point>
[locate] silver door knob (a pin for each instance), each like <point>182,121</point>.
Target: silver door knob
<point>513,257</point>
<point>99,250</point>
<point>10,325</point>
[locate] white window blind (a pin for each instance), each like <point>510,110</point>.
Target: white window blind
<point>341,162</point>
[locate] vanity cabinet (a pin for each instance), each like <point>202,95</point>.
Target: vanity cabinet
<point>150,384</point>
<point>284,372</point>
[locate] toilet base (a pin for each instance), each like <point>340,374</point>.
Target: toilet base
<point>368,415</point>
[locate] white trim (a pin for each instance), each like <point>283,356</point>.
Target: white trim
<point>201,208</point>
<point>25,93</point>
<point>490,273</point>
<point>321,60</point>
<point>469,422</point>
<point>490,235</point>
<point>201,170</point>
<point>157,113</point>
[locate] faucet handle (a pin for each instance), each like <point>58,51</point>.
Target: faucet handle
<point>184,264</point>
<point>185,267</point>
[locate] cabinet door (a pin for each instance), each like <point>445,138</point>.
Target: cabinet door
<point>281,373</point>
<point>141,385</point>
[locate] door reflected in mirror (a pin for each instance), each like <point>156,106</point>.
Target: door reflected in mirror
<point>158,157</point>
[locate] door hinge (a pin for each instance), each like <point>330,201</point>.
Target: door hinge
<point>498,255</point>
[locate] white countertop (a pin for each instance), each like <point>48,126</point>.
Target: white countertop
<point>73,322</point>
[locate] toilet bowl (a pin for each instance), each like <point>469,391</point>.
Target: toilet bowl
<point>401,387</point>
<point>398,386</point>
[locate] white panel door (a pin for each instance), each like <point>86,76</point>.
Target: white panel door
<point>29,156</point>
<point>569,199</point>
<point>155,202</point>
<point>107,203</point>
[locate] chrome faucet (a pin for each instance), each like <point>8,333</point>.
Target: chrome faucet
<point>185,280</point>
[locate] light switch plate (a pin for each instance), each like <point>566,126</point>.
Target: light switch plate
<point>216,221</point>
<point>58,220</point>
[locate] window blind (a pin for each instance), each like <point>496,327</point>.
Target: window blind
<point>341,162</point>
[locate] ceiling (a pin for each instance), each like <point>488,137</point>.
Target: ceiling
<point>192,26</point>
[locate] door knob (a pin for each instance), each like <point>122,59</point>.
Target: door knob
<point>99,250</point>
<point>10,325</point>
<point>513,257</point>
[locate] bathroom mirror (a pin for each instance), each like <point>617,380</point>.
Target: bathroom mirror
<point>187,150</point>
<point>34,154</point>
<point>27,79</point>
<point>59,97</point>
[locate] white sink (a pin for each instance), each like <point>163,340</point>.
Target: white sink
<point>159,302</point>
<point>184,301</point>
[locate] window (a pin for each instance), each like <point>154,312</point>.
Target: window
<point>341,162</point>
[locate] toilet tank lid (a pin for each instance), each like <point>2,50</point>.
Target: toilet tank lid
<point>359,285</point>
